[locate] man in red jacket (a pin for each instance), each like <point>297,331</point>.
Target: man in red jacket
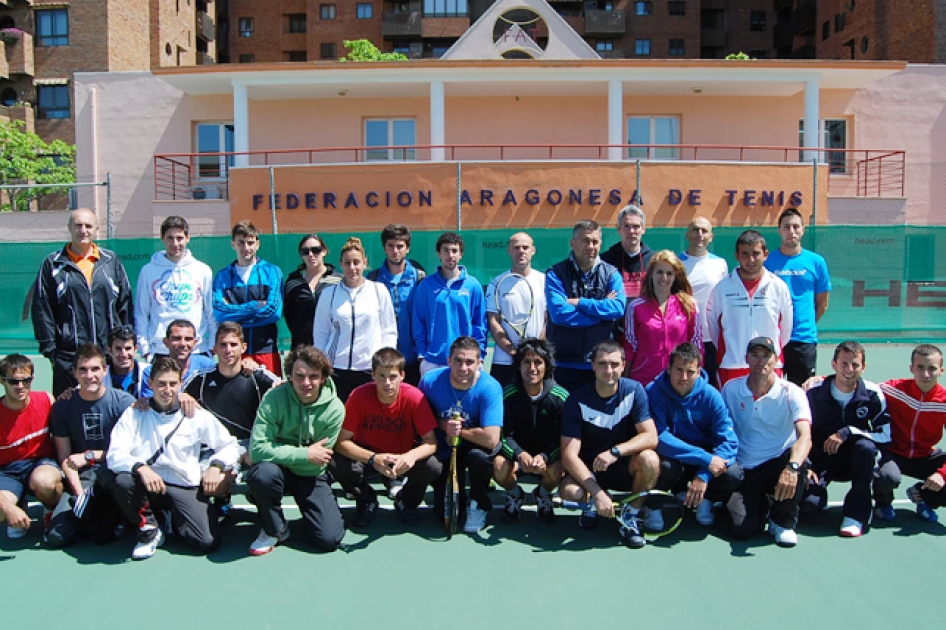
<point>917,409</point>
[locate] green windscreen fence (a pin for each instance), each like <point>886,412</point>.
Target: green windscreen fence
<point>889,284</point>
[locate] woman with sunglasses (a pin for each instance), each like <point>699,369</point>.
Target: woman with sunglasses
<point>354,319</point>
<point>304,286</point>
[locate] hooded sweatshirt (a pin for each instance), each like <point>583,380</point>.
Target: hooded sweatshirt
<point>443,312</point>
<point>285,427</point>
<point>632,268</point>
<point>168,291</point>
<point>692,428</point>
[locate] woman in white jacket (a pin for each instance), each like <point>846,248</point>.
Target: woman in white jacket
<point>353,320</point>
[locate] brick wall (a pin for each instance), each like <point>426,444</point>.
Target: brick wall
<point>129,36</point>
<point>88,45</point>
<point>172,33</point>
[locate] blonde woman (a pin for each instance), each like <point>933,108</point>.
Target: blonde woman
<point>664,316</point>
<point>353,320</point>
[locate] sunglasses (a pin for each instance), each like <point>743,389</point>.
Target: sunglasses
<point>315,251</point>
<point>18,381</point>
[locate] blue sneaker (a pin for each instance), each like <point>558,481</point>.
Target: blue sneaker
<point>630,531</point>
<point>924,511</point>
<point>885,513</point>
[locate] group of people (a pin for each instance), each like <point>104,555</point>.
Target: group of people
<point>634,370</point>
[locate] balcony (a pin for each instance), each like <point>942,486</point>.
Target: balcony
<point>20,55</point>
<point>401,24</point>
<point>784,33</point>
<point>4,64</point>
<point>204,58</point>
<point>24,113</point>
<point>205,26</point>
<point>713,38</point>
<point>805,17</point>
<point>610,23</point>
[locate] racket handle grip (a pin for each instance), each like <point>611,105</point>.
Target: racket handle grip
<point>455,441</point>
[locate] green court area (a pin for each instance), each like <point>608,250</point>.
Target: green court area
<point>528,575</point>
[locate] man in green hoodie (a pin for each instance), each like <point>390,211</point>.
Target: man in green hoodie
<point>291,445</point>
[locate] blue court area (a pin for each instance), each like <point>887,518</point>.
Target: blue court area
<point>528,575</point>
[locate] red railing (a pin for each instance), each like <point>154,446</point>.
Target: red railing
<point>851,172</point>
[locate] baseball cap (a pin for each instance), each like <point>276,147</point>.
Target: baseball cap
<point>765,342</point>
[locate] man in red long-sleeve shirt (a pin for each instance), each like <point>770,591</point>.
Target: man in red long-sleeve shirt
<point>917,409</point>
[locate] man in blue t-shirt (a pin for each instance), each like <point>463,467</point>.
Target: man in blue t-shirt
<point>180,339</point>
<point>608,443</point>
<point>468,403</point>
<point>806,275</point>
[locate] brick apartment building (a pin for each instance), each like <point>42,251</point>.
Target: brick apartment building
<point>914,30</point>
<point>310,30</point>
<point>47,42</point>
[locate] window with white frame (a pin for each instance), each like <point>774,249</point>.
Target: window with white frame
<point>213,138</point>
<point>650,130</point>
<point>393,132</point>
<point>833,134</point>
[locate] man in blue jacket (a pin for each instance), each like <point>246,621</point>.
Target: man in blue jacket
<point>585,297</point>
<point>697,440</point>
<point>249,292</point>
<point>447,305</point>
<point>401,276</point>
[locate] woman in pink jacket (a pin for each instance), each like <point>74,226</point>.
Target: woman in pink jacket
<point>664,316</point>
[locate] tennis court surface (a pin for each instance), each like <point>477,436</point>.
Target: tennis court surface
<point>527,575</point>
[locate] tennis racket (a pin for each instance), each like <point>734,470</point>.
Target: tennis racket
<point>515,302</point>
<point>451,515</point>
<point>669,506</point>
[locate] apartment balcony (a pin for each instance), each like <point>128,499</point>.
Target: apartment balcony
<point>610,23</point>
<point>713,38</point>
<point>205,26</point>
<point>204,59</point>
<point>805,16</point>
<point>784,33</point>
<point>401,24</point>
<point>24,113</point>
<point>20,55</point>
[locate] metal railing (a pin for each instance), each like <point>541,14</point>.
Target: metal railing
<point>851,172</point>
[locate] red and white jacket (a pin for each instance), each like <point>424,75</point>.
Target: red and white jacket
<point>916,419</point>
<point>733,319</point>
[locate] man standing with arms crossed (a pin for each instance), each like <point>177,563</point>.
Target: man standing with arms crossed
<point>704,271</point>
<point>82,292</point>
<point>806,275</point>
<point>401,276</point>
<point>521,249</point>
<point>585,297</point>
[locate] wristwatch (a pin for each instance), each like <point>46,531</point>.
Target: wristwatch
<point>90,457</point>
<point>616,452</point>
<point>222,467</point>
<point>793,466</point>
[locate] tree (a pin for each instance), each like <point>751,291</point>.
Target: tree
<point>25,158</point>
<point>363,50</point>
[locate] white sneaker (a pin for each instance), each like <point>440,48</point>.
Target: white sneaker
<point>148,542</point>
<point>704,513</point>
<point>851,528</point>
<point>652,520</point>
<point>783,537</point>
<point>15,533</point>
<point>475,518</point>
<point>265,543</point>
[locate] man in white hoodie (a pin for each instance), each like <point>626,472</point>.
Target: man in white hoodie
<point>174,285</point>
<point>154,458</point>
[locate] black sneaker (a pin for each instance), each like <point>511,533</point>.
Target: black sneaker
<point>543,506</point>
<point>513,509</point>
<point>410,516</point>
<point>364,513</point>
<point>630,532</point>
